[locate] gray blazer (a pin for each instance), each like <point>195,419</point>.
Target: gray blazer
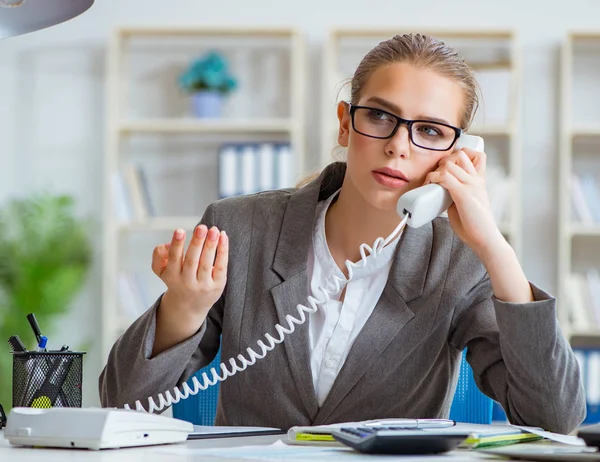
<point>404,363</point>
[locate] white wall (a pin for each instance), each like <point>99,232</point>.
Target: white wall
<point>52,110</point>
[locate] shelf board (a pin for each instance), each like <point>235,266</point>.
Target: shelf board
<point>585,35</point>
<point>491,129</point>
<point>592,332</point>
<point>585,130</point>
<point>161,224</point>
<point>491,65</point>
<point>225,31</point>
<point>354,32</point>
<point>191,125</point>
<point>580,229</point>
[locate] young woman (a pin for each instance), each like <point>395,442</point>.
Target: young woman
<point>389,342</point>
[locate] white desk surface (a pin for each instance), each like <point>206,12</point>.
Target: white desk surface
<point>157,453</point>
<point>145,454</point>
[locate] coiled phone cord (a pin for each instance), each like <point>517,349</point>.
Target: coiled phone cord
<point>166,399</point>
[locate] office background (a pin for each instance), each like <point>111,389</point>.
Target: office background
<point>53,113</point>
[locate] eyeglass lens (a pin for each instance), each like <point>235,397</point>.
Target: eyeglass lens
<point>379,124</point>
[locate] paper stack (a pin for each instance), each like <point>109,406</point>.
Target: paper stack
<point>481,436</point>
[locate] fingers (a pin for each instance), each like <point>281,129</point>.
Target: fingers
<point>461,159</point>
<point>220,269</point>
<point>192,256</point>
<point>462,168</point>
<point>480,163</point>
<point>207,259</point>
<point>478,159</point>
<point>465,163</point>
<point>176,252</point>
<point>443,178</point>
<point>459,173</point>
<point>461,165</point>
<point>160,257</point>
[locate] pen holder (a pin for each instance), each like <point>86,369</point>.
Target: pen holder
<point>47,379</point>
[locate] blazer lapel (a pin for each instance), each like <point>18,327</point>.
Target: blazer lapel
<point>392,312</point>
<point>290,264</point>
<point>286,297</point>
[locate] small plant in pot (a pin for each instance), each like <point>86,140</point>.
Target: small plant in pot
<point>208,80</point>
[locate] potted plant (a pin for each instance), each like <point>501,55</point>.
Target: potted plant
<point>208,80</point>
<point>45,254</point>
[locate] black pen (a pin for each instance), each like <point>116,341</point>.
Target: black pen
<point>35,327</point>
<point>2,417</point>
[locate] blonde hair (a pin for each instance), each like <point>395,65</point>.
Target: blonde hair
<point>421,51</point>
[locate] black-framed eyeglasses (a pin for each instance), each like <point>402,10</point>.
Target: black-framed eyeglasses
<point>377,123</point>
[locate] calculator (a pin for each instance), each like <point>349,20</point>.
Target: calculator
<point>394,441</point>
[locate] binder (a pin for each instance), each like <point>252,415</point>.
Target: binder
<point>285,173</point>
<point>266,166</point>
<point>227,171</point>
<point>587,352</point>
<point>247,168</point>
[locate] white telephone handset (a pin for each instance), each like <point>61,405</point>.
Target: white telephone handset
<point>417,207</point>
<point>424,203</point>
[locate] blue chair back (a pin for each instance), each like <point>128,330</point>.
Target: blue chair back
<point>469,404</point>
<point>200,409</point>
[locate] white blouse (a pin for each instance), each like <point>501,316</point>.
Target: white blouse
<point>335,326</point>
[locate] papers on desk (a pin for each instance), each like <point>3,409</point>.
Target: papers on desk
<point>486,436</point>
<point>279,451</point>
<point>317,435</point>
<point>558,437</point>
<point>546,452</point>
<point>209,431</point>
<point>481,436</point>
<point>322,434</point>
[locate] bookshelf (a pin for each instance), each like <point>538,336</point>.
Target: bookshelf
<point>579,180</point>
<point>149,123</point>
<point>494,56</point>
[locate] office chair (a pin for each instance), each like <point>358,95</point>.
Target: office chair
<point>201,408</point>
<point>469,404</point>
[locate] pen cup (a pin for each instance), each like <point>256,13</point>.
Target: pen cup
<point>47,379</point>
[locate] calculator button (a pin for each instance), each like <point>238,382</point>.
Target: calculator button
<point>356,432</point>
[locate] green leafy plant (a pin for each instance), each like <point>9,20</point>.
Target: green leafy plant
<point>45,254</point>
<point>210,72</point>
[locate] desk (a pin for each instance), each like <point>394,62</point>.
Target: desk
<point>145,454</point>
<point>157,453</point>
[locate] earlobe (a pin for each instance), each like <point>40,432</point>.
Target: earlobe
<point>344,120</point>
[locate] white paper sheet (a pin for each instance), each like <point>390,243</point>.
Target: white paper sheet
<point>565,439</point>
<point>279,451</point>
<point>212,430</point>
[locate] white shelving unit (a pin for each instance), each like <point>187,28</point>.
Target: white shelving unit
<point>579,241</point>
<point>161,120</point>
<point>494,57</point>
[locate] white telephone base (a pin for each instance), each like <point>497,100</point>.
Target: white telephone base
<point>92,428</point>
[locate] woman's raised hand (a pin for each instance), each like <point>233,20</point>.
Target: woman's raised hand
<point>195,279</point>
